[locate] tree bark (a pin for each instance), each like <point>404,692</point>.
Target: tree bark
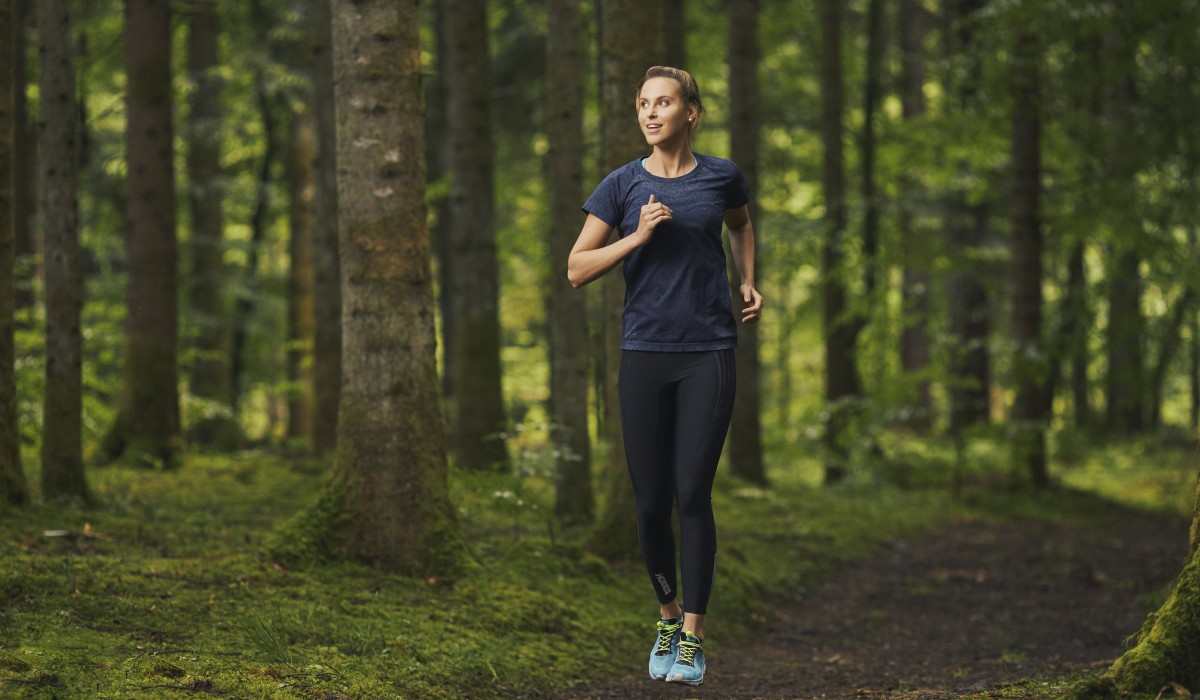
<point>437,146</point>
<point>745,430</point>
<point>387,502</point>
<point>62,448</point>
<point>574,498</point>
<point>327,341</point>
<point>479,423</point>
<point>301,291</point>
<point>13,489</point>
<point>842,385</point>
<point>210,378</point>
<point>917,282</point>
<point>675,36</point>
<point>147,426</point>
<point>1031,407</point>
<point>23,193</point>
<point>967,231</point>
<point>631,40</point>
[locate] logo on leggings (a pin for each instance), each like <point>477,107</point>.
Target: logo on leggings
<point>662,581</point>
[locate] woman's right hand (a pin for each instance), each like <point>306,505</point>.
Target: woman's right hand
<point>653,214</point>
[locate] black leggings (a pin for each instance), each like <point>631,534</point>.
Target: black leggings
<point>675,410</point>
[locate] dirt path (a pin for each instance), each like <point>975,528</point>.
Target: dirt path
<point>968,607</point>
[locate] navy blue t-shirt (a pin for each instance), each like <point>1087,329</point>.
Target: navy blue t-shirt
<point>676,288</point>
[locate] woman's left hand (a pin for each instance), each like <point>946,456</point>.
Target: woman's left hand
<point>754,304</point>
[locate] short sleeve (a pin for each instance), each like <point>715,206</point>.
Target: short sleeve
<point>737,192</point>
<point>605,202</point>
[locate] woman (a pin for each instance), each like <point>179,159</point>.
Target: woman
<point>677,343</point>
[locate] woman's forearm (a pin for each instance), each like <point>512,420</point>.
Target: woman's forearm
<point>584,266</point>
<point>741,244</point>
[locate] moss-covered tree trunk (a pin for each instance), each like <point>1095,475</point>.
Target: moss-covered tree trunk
<point>574,497</point>
<point>388,502</point>
<point>301,292</point>
<point>147,425</point>
<point>1031,407</point>
<point>327,306</point>
<point>1168,647</point>
<point>631,40</point>
<point>24,179</point>
<point>209,312</point>
<point>13,489</point>
<point>479,423</point>
<point>842,385</point>
<point>745,430</point>
<point>58,137</point>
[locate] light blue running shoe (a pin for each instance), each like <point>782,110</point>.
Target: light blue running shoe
<point>662,654</point>
<point>689,662</point>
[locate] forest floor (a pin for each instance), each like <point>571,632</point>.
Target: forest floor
<point>976,609</point>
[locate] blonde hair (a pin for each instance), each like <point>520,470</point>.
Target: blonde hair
<point>687,88</point>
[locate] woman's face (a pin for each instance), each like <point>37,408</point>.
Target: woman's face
<point>662,112</point>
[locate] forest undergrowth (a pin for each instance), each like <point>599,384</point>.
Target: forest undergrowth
<point>163,587</point>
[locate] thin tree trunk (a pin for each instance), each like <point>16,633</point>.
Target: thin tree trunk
<point>23,166</point>
<point>388,500</point>
<point>675,36</point>
<point>574,498</point>
<point>479,422</point>
<point>842,385</point>
<point>62,447</point>
<point>206,284</point>
<point>259,221</point>
<point>631,40</point>
<point>915,287</point>
<point>1172,338</point>
<point>13,489</point>
<point>301,292</point>
<point>967,230</point>
<point>438,150</point>
<point>745,431</point>
<point>1076,336</point>
<point>327,342</point>
<point>1031,408</point>
<point>147,426</point>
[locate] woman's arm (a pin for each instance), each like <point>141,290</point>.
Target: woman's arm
<point>741,244</point>
<point>590,258</point>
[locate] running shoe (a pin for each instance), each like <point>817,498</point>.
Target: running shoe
<point>662,654</point>
<point>689,662</point>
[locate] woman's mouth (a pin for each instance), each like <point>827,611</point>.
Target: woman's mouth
<point>653,127</point>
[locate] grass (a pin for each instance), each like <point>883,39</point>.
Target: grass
<point>163,588</point>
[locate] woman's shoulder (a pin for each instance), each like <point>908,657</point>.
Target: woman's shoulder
<point>721,166</point>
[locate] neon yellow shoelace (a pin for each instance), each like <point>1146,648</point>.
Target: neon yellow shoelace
<point>665,632</point>
<point>687,652</point>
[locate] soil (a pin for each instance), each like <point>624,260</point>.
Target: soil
<point>969,608</point>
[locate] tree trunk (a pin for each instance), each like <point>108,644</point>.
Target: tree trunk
<point>675,38</point>
<point>631,40</point>
<point>1165,653</point>
<point>842,385</point>
<point>745,430</point>
<point>23,176</point>
<point>209,378</point>
<point>1076,336</point>
<point>967,230</point>
<point>1124,386</point>
<point>916,283</point>
<point>62,448</point>
<point>574,498</point>
<point>479,424</point>
<point>1172,338</point>
<point>270,109</point>
<point>327,341</point>
<point>13,489</point>
<point>437,145</point>
<point>301,292</point>
<point>147,426</point>
<point>1031,407</point>
<point>387,502</point>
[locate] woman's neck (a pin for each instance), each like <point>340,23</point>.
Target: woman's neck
<point>671,163</point>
